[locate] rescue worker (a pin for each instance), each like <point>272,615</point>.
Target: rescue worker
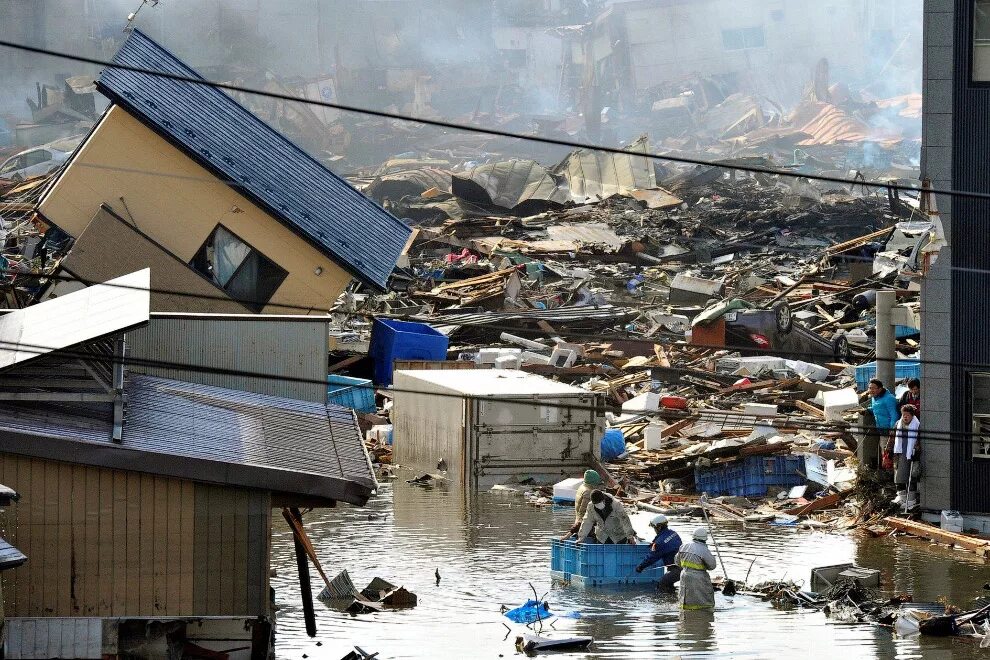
<point>664,549</point>
<point>592,482</point>
<point>608,520</point>
<point>695,560</point>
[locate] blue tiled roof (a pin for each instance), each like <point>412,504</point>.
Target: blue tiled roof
<point>260,163</point>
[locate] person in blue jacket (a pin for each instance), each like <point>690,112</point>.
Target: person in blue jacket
<point>663,549</point>
<point>883,404</point>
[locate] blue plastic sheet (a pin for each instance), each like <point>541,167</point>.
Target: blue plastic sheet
<point>613,444</point>
<point>532,611</point>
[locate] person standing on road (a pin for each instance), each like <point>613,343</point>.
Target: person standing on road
<point>663,549</point>
<point>608,520</point>
<point>905,451</point>
<point>695,560</point>
<point>592,482</point>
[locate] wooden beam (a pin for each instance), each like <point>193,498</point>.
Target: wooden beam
<point>346,362</point>
<point>933,533</point>
<point>810,409</point>
<point>826,502</point>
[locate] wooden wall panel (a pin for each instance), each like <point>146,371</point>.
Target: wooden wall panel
<point>106,542</point>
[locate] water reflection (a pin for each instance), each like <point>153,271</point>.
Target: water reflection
<point>492,550</point>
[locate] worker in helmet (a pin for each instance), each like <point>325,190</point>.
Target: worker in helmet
<point>663,549</point>
<point>695,560</point>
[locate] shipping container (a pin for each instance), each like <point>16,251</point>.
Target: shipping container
<point>492,426</point>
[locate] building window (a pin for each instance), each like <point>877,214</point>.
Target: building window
<point>980,406</point>
<point>244,273</point>
<point>981,41</point>
<point>743,38</point>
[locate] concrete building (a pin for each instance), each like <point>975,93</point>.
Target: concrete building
<point>229,215</point>
<point>954,303</point>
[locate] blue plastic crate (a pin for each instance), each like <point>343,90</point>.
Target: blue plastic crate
<point>751,477</point>
<point>902,369</point>
<point>598,565</point>
<point>904,331</point>
<point>356,393</point>
<point>403,340</point>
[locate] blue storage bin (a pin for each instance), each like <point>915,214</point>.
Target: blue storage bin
<point>356,393</point>
<point>597,565</point>
<point>904,331</point>
<point>403,340</point>
<point>902,369</point>
<point>751,477</point>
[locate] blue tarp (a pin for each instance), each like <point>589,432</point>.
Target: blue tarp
<point>532,611</point>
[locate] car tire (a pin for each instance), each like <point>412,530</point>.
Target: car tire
<point>840,348</point>
<point>782,317</point>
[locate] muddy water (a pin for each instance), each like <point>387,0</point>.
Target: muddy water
<point>489,551</point>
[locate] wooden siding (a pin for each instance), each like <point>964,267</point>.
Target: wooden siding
<point>104,542</point>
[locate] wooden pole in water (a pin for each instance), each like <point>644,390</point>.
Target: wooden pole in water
<point>302,565</point>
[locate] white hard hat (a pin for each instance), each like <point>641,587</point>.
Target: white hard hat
<point>701,534</point>
<point>658,520</point>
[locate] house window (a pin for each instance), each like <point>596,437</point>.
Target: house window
<point>244,273</point>
<point>743,38</point>
<point>981,41</point>
<point>980,407</point>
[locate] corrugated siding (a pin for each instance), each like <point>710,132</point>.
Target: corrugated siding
<point>108,543</point>
<point>294,349</point>
<point>970,259</point>
<point>263,165</point>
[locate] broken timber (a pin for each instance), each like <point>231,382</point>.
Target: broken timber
<point>971,543</point>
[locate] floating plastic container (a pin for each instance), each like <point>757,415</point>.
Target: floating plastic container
<point>613,444</point>
<point>598,565</point>
<point>751,477</point>
<point>403,340</point>
<point>565,492</point>
<point>356,393</point>
<point>902,369</point>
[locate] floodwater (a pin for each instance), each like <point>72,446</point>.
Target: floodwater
<point>491,549</point>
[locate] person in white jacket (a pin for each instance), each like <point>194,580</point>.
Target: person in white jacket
<point>905,451</point>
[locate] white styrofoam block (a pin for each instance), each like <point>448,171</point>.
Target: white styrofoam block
<point>648,401</point>
<point>760,409</point>
<point>563,358</point>
<point>653,436</point>
<point>490,355</point>
<point>952,521</point>
<point>814,372</point>
<point>508,362</point>
<point>534,358</point>
<point>566,490</point>
<point>838,402</point>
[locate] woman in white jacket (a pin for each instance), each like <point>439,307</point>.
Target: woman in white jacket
<point>905,451</point>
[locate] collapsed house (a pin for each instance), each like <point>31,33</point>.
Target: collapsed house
<point>229,215</point>
<point>146,501</point>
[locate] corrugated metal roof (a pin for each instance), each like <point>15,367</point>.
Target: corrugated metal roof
<point>208,434</point>
<point>10,557</point>
<point>81,316</point>
<point>213,129</point>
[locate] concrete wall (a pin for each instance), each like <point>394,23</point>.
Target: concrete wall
<point>178,204</point>
<point>936,292</point>
<point>110,543</point>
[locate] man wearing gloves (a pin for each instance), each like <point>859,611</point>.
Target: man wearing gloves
<point>695,560</point>
<point>607,519</point>
<point>592,482</point>
<point>663,549</point>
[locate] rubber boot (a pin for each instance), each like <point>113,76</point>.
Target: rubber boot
<point>901,496</point>
<point>910,501</point>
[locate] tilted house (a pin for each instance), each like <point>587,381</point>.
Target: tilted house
<point>229,214</point>
<point>146,502</point>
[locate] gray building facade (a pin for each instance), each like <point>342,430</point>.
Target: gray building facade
<point>955,303</point>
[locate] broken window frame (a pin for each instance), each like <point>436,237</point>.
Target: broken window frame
<point>204,264</point>
<point>744,38</point>
<point>980,52</point>
<point>980,413</point>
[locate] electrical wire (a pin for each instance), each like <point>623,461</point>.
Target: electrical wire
<point>572,144</point>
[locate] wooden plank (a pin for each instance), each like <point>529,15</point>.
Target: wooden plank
<point>214,534</point>
<point>748,387</point>
<point>857,242</point>
<point>240,540</point>
<point>175,541</point>
<point>50,562</point>
<point>930,532</point>
<point>810,409</point>
<point>132,600</point>
<point>661,354</point>
<point>36,491</point>
<point>201,550</point>
<point>826,502</point>
<point>105,546</point>
<point>224,545</point>
<point>161,557</point>
<point>118,605</point>
<point>471,282</point>
<point>256,552</point>
<point>148,542</point>
<point>64,569</point>
<point>346,362</point>
<point>677,427</point>
<point>188,497</point>
<point>90,595</point>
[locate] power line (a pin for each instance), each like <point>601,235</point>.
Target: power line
<point>711,414</point>
<point>572,144</point>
